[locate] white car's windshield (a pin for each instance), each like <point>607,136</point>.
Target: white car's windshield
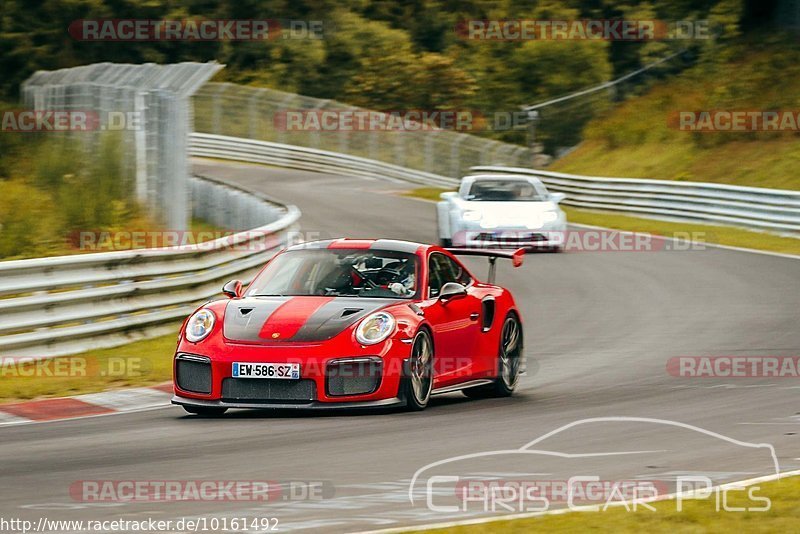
<point>504,190</point>
<point>339,272</point>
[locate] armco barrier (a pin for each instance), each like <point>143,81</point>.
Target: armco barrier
<point>756,208</point>
<point>307,159</point>
<point>67,304</point>
<point>750,207</point>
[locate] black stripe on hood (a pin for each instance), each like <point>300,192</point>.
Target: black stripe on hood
<point>336,316</point>
<point>245,318</point>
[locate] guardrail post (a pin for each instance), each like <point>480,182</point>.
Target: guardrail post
<point>455,160</point>
<point>254,116</point>
<point>400,155</point>
<point>429,155</point>
<point>140,138</point>
<point>216,109</point>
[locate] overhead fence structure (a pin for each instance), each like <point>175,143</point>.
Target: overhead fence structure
<point>261,114</point>
<point>149,107</point>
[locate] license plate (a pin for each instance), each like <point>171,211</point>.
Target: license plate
<point>286,371</point>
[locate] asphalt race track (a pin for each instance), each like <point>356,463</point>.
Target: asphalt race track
<point>599,326</point>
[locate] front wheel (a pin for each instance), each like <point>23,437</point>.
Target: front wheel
<point>508,365</point>
<point>419,384</point>
<point>205,411</point>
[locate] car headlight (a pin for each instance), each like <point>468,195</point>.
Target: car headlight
<point>549,216</point>
<point>471,215</point>
<point>200,325</point>
<point>375,328</point>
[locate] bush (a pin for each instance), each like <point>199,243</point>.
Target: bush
<point>29,224</point>
<point>65,192</point>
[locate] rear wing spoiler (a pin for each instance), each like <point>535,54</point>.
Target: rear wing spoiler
<point>516,257</point>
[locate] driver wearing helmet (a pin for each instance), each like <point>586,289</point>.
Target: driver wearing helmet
<point>404,283</point>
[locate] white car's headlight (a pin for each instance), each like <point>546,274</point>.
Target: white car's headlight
<point>200,325</point>
<point>471,215</point>
<point>375,328</point>
<point>549,216</point>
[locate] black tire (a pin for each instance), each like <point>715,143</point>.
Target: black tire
<point>509,360</point>
<point>446,242</point>
<point>205,411</point>
<point>418,386</point>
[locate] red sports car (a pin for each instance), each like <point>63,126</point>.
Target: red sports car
<point>352,323</point>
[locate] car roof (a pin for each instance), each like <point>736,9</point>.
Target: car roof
<point>396,245</point>
<point>506,177</point>
<point>468,181</point>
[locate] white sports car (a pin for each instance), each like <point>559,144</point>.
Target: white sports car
<point>501,211</point>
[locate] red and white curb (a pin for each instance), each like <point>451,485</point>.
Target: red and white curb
<point>92,404</point>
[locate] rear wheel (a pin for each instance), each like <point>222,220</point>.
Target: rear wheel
<point>419,383</point>
<point>205,411</point>
<point>508,365</point>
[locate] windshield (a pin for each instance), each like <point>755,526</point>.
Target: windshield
<point>339,272</point>
<point>505,190</point>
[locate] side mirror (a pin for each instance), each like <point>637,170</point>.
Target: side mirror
<point>451,291</point>
<point>557,197</point>
<point>232,289</point>
<point>448,195</point>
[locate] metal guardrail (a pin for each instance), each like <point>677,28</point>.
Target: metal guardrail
<point>757,208</point>
<point>751,207</point>
<point>307,159</point>
<point>67,304</point>
<point>62,305</point>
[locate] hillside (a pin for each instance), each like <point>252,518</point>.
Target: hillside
<point>635,140</point>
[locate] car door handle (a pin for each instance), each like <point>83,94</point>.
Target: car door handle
<point>474,316</point>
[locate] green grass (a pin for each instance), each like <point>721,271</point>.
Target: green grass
<point>636,139</point>
<point>721,235</point>
<point>427,193</point>
<point>757,163</point>
<point>697,516</point>
<point>140,363</point>
<point>50,194</point>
